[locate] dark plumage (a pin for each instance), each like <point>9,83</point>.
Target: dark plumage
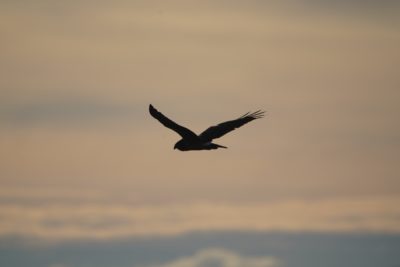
<point>192,141</point>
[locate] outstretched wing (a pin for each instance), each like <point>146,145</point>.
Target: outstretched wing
<point>225,127</point>
<point>182,131</point>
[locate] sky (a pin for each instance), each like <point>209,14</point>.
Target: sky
<point>82,162</point>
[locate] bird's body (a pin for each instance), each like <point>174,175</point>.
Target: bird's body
<point>183,145</point>
<point>192,141</point>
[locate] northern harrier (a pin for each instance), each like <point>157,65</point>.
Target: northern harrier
<point>192,141</point>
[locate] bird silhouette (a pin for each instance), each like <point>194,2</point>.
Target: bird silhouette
<point>192,141</point>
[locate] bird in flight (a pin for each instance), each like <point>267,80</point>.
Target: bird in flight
<point>192,141</point>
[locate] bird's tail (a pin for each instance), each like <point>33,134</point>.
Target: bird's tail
<point>216,146</point>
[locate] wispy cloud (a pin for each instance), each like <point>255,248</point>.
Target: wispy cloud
<point>63,111</point>
<point>329,78</point>
<point>103,221</point>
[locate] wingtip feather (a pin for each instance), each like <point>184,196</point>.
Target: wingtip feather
<point>258,114</point>
<point>152,110</point>
<point>255,115</point>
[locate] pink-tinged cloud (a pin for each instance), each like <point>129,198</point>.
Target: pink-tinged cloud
<point>104,221</point>
<point>78,146</point>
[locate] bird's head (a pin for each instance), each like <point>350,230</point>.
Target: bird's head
<point>180,145</point>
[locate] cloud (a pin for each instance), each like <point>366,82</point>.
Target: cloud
<point>19,195</point>
<point>62,111</point>
<point>215,257</point>
<point>66,221</point>
<point>330,83</point>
